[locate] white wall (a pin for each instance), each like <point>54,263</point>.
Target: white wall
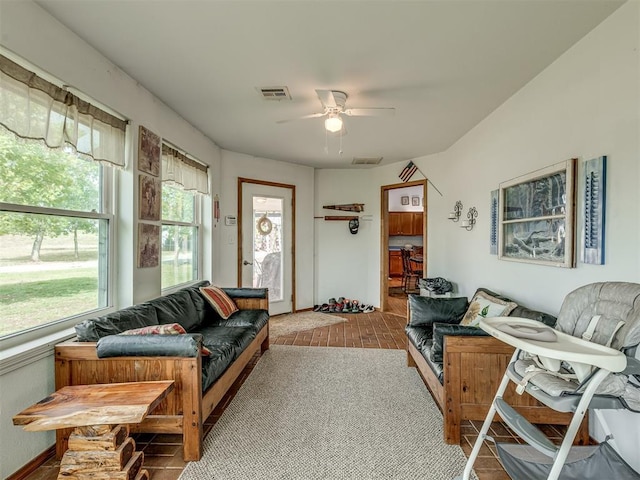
<point>395,199</point>
<point>236,165</point>
<point>349,265</point>
<point>584,105</point>
<point>345,262</point>
<point>28,31</point>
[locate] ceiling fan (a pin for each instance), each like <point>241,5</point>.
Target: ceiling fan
<point>333,104</point>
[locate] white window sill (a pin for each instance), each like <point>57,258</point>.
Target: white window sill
<point>21,355</point>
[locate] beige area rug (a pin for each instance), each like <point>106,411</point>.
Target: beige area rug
<point>298,322</point>
<point>312,413</point>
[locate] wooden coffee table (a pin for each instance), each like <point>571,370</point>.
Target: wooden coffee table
<point>100,446</point>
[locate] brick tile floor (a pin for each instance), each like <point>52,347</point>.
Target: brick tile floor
<point>163,453</point>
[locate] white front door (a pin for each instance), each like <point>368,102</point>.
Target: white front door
<point>267,243</point>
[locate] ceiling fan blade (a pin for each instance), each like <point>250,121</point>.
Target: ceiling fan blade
<point>326,98</point>
<point>370,112</point>
<point>304,117</point>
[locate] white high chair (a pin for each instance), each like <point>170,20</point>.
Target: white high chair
<point>569,374</point>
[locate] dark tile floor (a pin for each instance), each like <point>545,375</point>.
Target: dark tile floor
<point>163,453</point>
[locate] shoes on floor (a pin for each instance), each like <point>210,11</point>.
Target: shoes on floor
<point>355,306</point>
<point>344,305</point>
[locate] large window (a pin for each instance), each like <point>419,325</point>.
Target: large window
<point>54,235</point>
<point>56,152</point>
<point>184,182</point>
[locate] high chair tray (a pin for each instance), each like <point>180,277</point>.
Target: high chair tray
<point>564,347</point>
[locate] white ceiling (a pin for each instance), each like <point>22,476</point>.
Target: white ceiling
<point>443,65</point>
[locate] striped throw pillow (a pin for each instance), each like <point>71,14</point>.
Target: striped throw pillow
<point>164,329</point>
<point>220,301</point>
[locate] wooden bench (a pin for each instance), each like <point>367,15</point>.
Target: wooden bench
<point>473,368</point>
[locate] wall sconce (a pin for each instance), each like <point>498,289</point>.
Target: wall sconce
<point>472,214</point>
<point>457,211</point>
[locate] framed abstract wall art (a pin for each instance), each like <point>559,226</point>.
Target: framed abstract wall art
<point>149,148</point>
<point>537,217</point>
<point>148,245</point>
<point>150,190</point>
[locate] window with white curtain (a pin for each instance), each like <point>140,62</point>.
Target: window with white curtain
<point>57,154</point>
<point>184,182</point>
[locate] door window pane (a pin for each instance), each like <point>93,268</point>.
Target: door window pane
<point>267,245</point>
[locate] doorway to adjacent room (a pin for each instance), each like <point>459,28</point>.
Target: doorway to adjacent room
<point>403,230</point>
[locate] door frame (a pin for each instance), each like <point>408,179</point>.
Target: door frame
<point>241,182</point>
<point>384,235</point>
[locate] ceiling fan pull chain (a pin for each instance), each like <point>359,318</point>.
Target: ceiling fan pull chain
<point>340,151</point>
<point>326,143</point>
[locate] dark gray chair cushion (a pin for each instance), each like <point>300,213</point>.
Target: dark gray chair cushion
<point>203,309</point>
<point>238,337</point>
<point>419,336</point>
<point>149,346</point>
<point>246,292</point>
<point>442,329</point>
<point>216,364</point>
<point>436,367</point>
<point>136,316</point>
<point>524,312</point>
<point>255,319</point>
<point>425,311</point>
<point>176,307</point>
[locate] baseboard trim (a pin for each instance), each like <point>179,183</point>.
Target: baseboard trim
<point>33,465</point>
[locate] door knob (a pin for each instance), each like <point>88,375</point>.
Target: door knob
<point>244,262</point>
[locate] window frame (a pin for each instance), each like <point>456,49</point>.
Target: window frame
<point>63,327</point>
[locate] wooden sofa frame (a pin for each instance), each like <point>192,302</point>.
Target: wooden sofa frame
<point>473,369</point>
<point>185,409</point>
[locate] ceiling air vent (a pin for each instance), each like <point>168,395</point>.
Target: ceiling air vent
<point>275,93</point>
<point>366,160</point>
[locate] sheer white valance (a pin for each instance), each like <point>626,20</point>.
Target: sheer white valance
<point>33,108</point>
<point>179,169</point>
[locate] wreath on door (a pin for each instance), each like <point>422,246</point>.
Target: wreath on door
<point>264,225</point>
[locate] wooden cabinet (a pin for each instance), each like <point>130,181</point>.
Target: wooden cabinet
<point>416,223</point>
<point>395,223</point>
<point>395,263</point>
<point>405,223</point>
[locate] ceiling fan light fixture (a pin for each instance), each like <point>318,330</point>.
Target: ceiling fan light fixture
<point>333,123</point>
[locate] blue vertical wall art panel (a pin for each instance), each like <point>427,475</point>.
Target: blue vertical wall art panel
<point>493,230</point>
<point>594,197</point>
